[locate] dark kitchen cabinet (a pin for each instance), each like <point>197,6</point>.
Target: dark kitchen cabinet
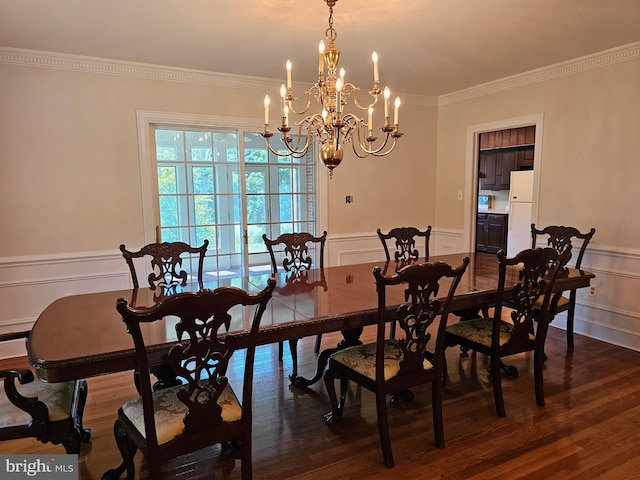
<point>524,158</point>
<point>491,232</point>
<point>495,166</point>
<point>495,169</point>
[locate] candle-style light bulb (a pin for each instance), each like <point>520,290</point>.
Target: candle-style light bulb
<point>321,58</point>
<point>285,120</point>
<point>387,94</point>
<point>374,57</point>
<point>283,95</point>
<point>370,121</point>
<point>288,74</point>
<point>395,111</point>
<point>267,101</point>
<point>339,85</point>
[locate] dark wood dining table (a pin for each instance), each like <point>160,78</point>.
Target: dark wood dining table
<point>80,336</point>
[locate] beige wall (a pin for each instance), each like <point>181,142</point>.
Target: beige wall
<point>70,173</point>
<point>70,186</point>
<point>395,190</point>
<point>590,144</point>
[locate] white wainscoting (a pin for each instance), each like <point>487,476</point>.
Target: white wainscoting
<point>366,247</point>
<point>29,284</point>
<point>611,315</point>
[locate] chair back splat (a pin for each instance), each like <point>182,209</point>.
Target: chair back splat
<point>390,366</point>
<point>529,320</point>
<point>295,258</point>
<point>560,238</point>
<point>203,409</point>
<point>166,262</point>
<point>295,254</point>
<point>404,242</point>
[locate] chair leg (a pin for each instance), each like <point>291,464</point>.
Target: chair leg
<point>538,368</point>
<point>570,313</point>
<point>127,451</point>
<point>293,349</point>
<point>392,329</point>
<point>436,407</point>
<point>246,466</point>
<point>280,350</point>
<point>496,379</point>
<point>335,414</point>
<point>316,348</point>
<point>383,429</point>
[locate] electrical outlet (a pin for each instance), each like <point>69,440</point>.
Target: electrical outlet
<point>459,194</point>
<point>592,291</point>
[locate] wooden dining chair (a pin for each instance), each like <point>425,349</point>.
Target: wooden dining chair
<point>203,409</point>
<point>402,241</point>
<point>49,412</point>
<point>167,273</point>
<point>393,365</point>
<point>527,329</point>
<point>166,262</point>
<point>559,238</point>
<point>295,253</point>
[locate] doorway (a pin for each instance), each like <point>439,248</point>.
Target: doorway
<point>471,189</point>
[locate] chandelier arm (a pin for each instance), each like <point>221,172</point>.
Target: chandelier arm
<point>280,154</point>
<point>391,147</point>
<point>378,151</point>
<point>292,151</point>
<point>356,99</point>
<point>348,124</point>
<point>290,99</point>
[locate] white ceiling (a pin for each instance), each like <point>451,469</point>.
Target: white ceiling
<point>426,47</point>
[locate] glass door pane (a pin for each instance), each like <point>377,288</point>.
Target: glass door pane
<point>208,188</point>
<point>281,197</point>
<point>199,195</point>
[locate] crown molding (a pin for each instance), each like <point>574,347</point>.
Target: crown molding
<point>60,61</point>
<point>78,63</point>
<point>571,67</point>
<point>34,58</point>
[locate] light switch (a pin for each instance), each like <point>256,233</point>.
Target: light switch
<point>459,194</point>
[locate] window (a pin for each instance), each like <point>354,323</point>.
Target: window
<point>222,184</point>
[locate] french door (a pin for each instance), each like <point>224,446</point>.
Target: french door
<point>222,184</point>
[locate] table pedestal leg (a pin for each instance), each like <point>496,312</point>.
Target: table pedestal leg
<point>350,338</point>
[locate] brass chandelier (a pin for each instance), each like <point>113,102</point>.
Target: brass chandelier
<point>333,127</point>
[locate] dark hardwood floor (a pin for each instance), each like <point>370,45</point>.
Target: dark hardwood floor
<point>590,427</point>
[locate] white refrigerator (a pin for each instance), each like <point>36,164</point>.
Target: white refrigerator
<point>520,211</point>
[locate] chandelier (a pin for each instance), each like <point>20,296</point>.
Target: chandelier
<point>333,126</point>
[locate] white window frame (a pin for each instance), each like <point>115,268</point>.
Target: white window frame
<point>146,120</point>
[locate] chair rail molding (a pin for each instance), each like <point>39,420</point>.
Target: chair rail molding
<point>29,284</point>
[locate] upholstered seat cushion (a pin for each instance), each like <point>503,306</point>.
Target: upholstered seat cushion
<point>562,302</point>
<point>362,359</point>
<point>170,412</point>
<point>479,331</point>
<point>58,398</point>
